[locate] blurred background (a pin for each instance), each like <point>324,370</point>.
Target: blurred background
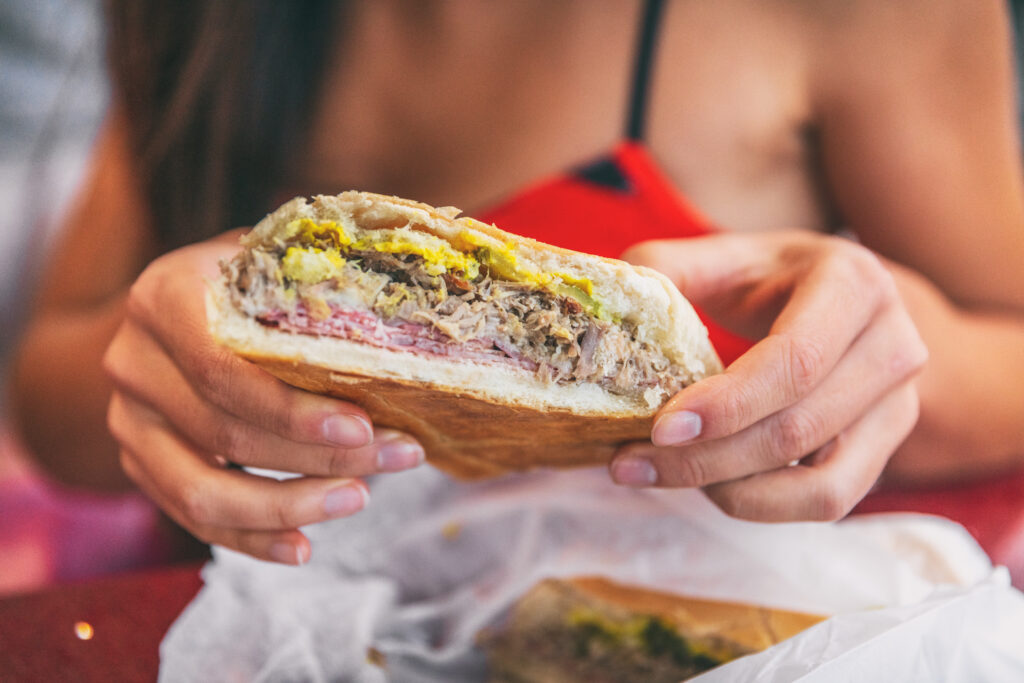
<point>53,95</point>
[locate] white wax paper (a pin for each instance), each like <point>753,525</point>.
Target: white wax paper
<point>431,562</point>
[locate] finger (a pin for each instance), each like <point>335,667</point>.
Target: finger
<point>263,400</point>
<point>828,487</point>
<point>285,547</point>
<point>167,303</point>
<point>230,238</point>
<point>204,495</point>
<point>883,358</point>
<point>704,267</point>
<point>828,309</point>
<point>218,432</point>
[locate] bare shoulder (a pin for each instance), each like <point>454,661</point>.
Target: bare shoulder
<point>907,21</point>
<point>881,43</point>
<point>919,95</point>
<point>107,236</point>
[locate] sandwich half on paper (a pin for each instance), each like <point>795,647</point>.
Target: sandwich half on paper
<point>600,631</point>
<point>497,352</point>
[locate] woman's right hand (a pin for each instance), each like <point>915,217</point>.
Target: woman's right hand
<point>183,408</point>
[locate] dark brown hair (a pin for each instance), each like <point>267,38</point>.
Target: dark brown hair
<point>217,95</point>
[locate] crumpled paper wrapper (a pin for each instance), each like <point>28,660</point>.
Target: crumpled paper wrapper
<point>399,591</point>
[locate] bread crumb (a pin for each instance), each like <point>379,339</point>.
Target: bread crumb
<point>376,657</point>
<point>654,397</point>
<point>451,531</point>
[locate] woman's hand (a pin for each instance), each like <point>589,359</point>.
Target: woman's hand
<point>800,426</point>
<point>183,408</point>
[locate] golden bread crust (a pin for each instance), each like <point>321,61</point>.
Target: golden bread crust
<point>467,436</point>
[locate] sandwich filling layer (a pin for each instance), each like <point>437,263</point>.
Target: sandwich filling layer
<point>559,631</point>
<point>408,290</point>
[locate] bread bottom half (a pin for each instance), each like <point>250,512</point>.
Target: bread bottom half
<point>474,420</point>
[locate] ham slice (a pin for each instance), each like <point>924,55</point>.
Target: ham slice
<point>367,328</point>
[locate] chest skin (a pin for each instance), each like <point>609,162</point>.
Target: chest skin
<point>465,102</point>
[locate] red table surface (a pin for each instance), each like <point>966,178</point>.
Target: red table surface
<point>129,615</point>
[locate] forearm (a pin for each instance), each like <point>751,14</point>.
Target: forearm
<point>971,391</point>
<point>60,394</point>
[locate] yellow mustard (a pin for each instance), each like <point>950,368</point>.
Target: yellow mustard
<point>309,231</point>
<point>503,262</point>
<point>437,254</point>
<point>310,265</point>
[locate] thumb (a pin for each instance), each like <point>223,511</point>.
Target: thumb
<point>703,268</point>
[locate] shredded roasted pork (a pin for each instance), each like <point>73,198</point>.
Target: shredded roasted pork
<point>390,300</point>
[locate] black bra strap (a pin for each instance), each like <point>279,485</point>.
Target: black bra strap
<point>642,69</point>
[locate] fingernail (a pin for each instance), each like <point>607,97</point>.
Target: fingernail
<point>345,500</point>
<point>350,431</point>
<point>285,553</point>
<point>399,454</point>
<point>634,472</point>
<point>677,427</point>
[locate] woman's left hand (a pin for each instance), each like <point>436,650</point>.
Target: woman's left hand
<point>801,426</point>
